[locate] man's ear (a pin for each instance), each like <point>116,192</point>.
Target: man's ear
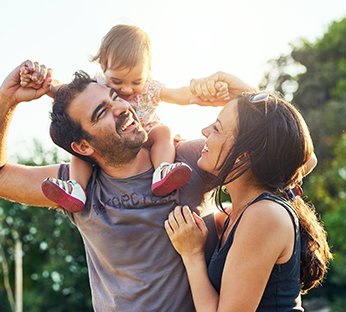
<point>82,148</point>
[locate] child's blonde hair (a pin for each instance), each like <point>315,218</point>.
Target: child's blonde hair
<point>124,46</point>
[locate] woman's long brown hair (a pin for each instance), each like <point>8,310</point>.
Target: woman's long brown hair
<point>276,147</point>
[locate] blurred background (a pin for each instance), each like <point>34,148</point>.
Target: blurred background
<point>296,47</point>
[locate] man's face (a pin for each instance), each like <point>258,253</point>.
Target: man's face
<point>117,135</point>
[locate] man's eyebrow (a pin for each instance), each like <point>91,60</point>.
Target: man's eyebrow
<point>111,92</point>
<point>96,110</point>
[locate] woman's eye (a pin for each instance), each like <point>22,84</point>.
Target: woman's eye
<point>215,128</point>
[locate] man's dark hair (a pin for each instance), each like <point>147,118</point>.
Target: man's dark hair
<point>64,130</point>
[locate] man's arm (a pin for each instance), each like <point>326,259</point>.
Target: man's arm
<point>20,183</point>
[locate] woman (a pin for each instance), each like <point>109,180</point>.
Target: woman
<point>257,150</point>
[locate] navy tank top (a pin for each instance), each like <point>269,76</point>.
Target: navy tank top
<point>282,292</point>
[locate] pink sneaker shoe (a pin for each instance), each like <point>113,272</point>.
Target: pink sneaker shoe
<point>59,193</point>
<point>175,176</point>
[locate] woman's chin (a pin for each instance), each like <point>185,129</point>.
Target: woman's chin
<point>205,166</point>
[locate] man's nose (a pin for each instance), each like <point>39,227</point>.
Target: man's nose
<point>120,107</point>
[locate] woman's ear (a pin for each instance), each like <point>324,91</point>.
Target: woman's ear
<point>82,148</point>
<point>242,159</point>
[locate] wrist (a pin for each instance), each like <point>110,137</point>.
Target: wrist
<point>192,259</point>
<point>6,102</point>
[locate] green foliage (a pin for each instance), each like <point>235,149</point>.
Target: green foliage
<point>55,271</point>
<point>321,97</point>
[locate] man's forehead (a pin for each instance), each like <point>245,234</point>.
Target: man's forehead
<point>85,102</point>
<point>92,94</point>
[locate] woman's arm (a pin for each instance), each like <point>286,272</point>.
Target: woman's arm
<point>181,224</point>
<point>265,236</point>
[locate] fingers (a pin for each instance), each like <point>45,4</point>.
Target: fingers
<point>222,91</point>
<point>207,88</point>
<point>34,74</point>
<point>203,88</point>
<point>40,72</point>
<point>29,65</point>
<point>199,222</point>
<point>45,88</point>
<point>179,218</point>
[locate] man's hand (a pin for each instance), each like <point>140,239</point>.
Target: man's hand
<point>205,91</point>
<point>12,93</point>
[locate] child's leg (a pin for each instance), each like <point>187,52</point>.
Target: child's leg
<point>80,171</point>
<point>161,141</point>
<point>69,194</point>
<point>168,175</point>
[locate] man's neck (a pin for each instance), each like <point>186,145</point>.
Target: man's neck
<point>139,165</point>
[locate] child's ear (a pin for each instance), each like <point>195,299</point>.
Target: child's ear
<point>82,148</point>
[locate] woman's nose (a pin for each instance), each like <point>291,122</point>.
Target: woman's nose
<point>205,132</point>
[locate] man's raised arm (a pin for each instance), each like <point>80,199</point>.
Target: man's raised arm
<point>21,183</point>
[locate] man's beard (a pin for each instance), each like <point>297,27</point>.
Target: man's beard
<point>116,152</point>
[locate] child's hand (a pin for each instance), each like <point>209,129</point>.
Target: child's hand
<point>206,94</point>
<point>209,92</point>
<point>222,91</point>
<point>33,74</point>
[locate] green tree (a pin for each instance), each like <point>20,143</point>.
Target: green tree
<point>313,77</point>
<point>55,274</point>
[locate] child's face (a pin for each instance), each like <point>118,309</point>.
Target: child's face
<point>127,83</point>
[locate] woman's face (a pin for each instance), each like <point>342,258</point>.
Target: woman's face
<point>220,136</point>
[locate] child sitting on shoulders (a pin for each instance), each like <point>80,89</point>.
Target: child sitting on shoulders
<point>125,57</point>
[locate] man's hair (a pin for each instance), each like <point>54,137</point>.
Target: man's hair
<point>64,130</point>
<point>124,46</point>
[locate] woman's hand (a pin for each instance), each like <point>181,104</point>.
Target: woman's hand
<point>205,89</point>
<point>187,232</point>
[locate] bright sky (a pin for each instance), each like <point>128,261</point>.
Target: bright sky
<point>190,38</point>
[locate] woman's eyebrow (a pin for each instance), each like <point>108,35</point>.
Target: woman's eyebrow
<point>218,120</point>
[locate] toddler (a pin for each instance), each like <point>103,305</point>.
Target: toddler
<point>125,57</point>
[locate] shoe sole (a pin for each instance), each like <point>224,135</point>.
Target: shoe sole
<point>54,193</point>
<point>176,178</point>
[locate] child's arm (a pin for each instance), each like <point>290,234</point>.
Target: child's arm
<point>33,76</point>
<point>183,96</point>
<point>205,91</point>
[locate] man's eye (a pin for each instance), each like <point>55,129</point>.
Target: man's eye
<point>115,97</point>
<point>101,113</point>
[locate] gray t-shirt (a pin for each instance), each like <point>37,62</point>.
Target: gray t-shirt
<point>132,263</point>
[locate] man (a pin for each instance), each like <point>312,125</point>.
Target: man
<point>132,265</point>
